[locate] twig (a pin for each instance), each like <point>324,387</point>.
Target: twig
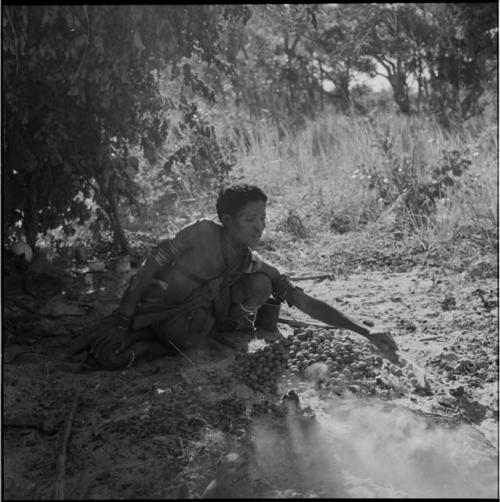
<point>428,339</point>
<point>182,448</point>
<point>61,460</point>
<point>309,277</point>
<point>86,48</point>
<point>180,352</point>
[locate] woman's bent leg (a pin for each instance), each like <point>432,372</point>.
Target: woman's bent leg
<point>186,331</point>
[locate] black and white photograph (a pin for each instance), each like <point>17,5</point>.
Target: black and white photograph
<point>250,251</point>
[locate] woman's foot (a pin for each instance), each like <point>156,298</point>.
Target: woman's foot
<point>268,336</point>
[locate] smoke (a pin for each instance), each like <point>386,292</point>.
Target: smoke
<point>369,449</point>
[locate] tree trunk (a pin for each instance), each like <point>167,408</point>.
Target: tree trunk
<point>342,91</point>
<point>420,82</point>
<point>321,90</point>
<point>120,237</point>
<point>401,97</point>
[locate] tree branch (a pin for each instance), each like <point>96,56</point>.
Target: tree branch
<point>9,19</point>
<point>86,48</point>
<point>61,461</point>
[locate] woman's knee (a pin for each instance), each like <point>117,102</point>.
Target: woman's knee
<point>186,330</point>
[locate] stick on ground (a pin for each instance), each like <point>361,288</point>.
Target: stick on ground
<point>180,352</point>
<point>311,277</point>
<point>61,459</point>
<point>430,338</point>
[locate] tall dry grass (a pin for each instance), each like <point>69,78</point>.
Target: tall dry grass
<point>318,172</point>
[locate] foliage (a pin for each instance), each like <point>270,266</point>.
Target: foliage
<point>340,50</point>
<point>124,103</point>
<point>461,58</point>
<point>446,181</point>
<point>294,60</point>
<point>191,166</point>
<point>74,231</point>
<point>273,62</point>
<point>81,87</point>
<point>419,186</point>
<point>202,160</point>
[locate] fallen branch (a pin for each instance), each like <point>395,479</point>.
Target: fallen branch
<point>61,460</point>
<point>428,339</point>
<point>309,277</point>
<point>180,352</point>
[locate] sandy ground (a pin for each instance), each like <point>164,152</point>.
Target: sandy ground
<point>160,429</point>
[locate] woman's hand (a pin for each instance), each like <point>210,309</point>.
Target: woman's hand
<point>112,334</point>
<point>383,340</point>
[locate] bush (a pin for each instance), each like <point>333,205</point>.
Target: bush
<point>419,185</point>
<point>344,172</point>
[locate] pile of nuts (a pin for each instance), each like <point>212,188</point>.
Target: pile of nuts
<point>261,369</point>
<point>350,365</point>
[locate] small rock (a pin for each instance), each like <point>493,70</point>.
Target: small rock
<point>407,325</point>
<point>482,269</point>
<point>449,303</point>
<point>457,391</point>
<point>447,402</point>
<point>465,365</point>
<point>449,357</point>
<point>473,410</point>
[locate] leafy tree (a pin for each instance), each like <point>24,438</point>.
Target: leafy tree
<point>384,41</point>
<point>81,87</point>
<point>339,50</point>
<point>461,58</point>
<point>273,68</point>
<point>284,55</point>
<point>449,49</point>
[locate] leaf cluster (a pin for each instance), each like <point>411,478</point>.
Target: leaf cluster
<point>420,185</point>
<point>81,88</point>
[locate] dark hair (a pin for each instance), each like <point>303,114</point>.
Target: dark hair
<point>233,198</point>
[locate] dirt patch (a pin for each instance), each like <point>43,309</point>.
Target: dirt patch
<point>163,429</point>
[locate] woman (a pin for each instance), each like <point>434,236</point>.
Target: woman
<point>205,280</point>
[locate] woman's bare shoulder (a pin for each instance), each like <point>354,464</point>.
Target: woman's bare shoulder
<point>202,228</point>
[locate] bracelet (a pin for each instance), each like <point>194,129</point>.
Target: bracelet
<point>281,287</point>
<point>123,321</point>
<point>164,253</point>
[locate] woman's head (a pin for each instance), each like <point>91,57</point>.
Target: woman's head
<point>242,211</point>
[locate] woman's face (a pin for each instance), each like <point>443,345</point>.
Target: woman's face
<point>247,225</point>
